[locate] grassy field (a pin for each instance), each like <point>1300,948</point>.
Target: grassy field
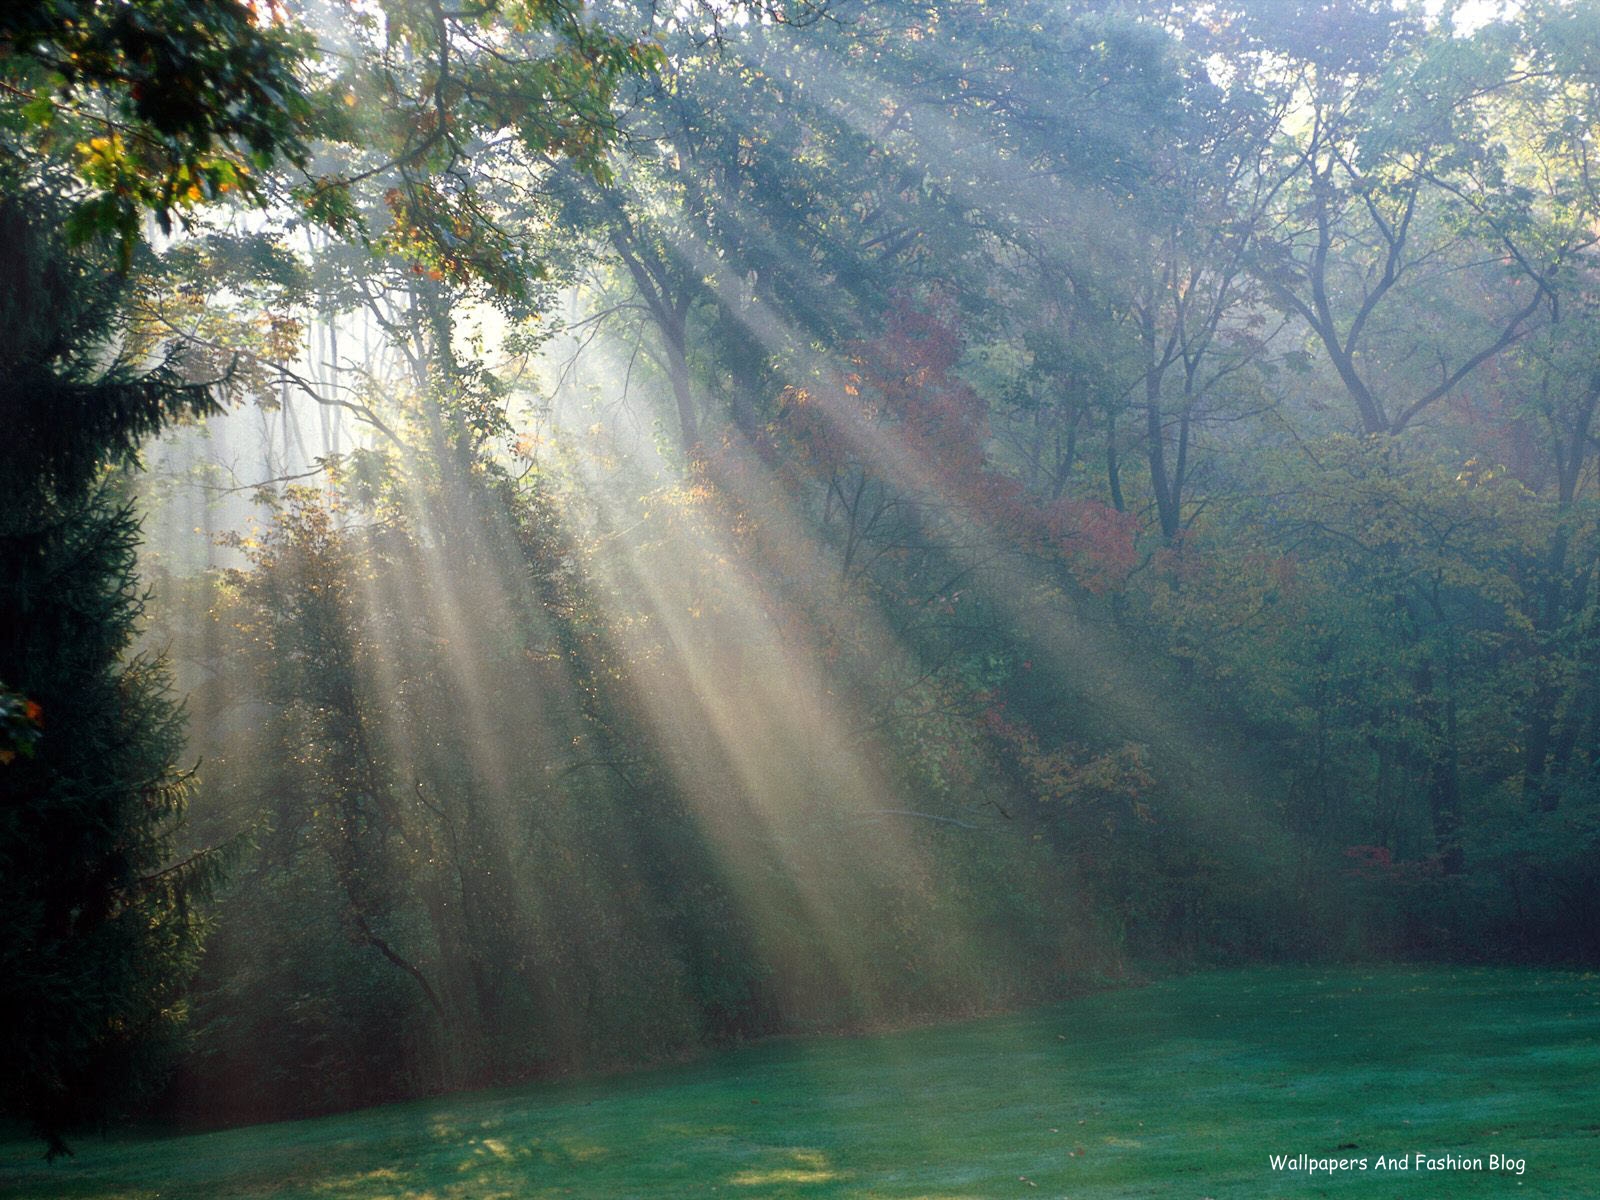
<point>1181,1089</point>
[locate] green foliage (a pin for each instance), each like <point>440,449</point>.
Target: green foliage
<point>99,905</point>
<point>166,104</point>
<point>68,409</point>
<point>102,929</point>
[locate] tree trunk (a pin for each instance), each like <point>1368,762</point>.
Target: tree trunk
<point>682,389</point>
<point>1443,774</point>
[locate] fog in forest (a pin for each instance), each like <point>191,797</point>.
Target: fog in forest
<point>555,540</point>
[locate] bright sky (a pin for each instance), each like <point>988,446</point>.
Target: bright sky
<point>1474,13</point>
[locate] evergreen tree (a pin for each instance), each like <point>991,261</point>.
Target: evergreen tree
<point>101,932</point>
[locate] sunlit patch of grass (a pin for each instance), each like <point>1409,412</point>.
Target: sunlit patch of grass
<point>376,1175</point>
<point>1181,1089</point>
<point>804,1166</point>
<point>781,1175</point>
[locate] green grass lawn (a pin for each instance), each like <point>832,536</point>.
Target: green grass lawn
<point>1180,1089</point>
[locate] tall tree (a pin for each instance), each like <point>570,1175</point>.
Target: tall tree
<point>168,105</point>
<point>1379,148</point>
<point>101,925</point>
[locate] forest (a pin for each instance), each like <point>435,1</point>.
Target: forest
<point>545,538</point>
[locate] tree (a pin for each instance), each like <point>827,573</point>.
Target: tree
<point>165,105</point>
<point>171,103</point>
<point>752,219</point>
<point>101,924</point>
<point>1380,146</point>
